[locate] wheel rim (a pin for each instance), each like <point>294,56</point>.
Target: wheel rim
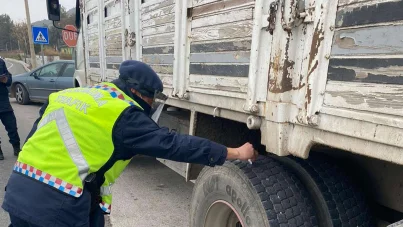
<point>18,94</point>
<point>222,214</point>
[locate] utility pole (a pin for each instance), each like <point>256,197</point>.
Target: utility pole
<point>31,42</point>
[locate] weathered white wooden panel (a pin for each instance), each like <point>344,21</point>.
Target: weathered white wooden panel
<point>90,4</point>
<point>93,44</point>
<point>378,98</point>
<point>94,59</point>
<point>221,6</point>
<point>222,18</point>
<point>348,2</point>
<point>159,59</point>
<point>203,2</point>
<point>93,27</point>
<point>92,17</point>
<point>159,50</point>
<point>113,59</point>
<point>224,83</point>
<point>158,13</point>
<point>94,74</point>
<point>113,23</point>
<point>369,40</point>
<point>159,39</point>
<point>159,20</point>
<point>367,70</point>
<point>167,28</point>
<point>369,12</point>
<point>220,69</point>
<point>223,31</point>
<point>113,8</point>
<point>163,69</point>
<point>147,7</point>
<point>111,74</point>
<point>242,44</point>
<point>166,79</point>
<point>221,57</point>
<point>113,44</point>
<point>147,3</point>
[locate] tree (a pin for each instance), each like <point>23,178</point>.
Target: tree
<point>6,40</point>
<point>20,34</point>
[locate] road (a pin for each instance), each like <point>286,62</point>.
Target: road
<point>147,194</point>
<point>15,68</point>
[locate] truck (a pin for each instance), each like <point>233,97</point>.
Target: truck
<point>315,85</point>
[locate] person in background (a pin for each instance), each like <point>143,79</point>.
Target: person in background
<point>7,116</point>
<point>83,140</point>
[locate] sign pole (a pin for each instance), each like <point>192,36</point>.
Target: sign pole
<point>31,43</point>
<point>43,57</point>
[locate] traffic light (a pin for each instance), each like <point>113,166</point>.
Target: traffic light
<point>53,10</point>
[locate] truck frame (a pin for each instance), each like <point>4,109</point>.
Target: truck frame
<point>315,85</point>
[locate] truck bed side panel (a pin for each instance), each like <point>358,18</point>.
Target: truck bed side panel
<point>366,65</point>
<point>220,45</point>
<point>158,30</point>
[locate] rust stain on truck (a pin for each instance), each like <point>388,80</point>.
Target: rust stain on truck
<point>277,68</point>
<point>318,37</point>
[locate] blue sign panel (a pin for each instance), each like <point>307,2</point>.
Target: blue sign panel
<point>40,35</point>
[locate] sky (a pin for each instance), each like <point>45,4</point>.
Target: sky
<point>37,9</point>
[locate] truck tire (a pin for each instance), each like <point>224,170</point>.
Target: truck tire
<point>338,202</point>
<point>238,194</point>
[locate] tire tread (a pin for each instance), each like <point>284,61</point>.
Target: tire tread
<point>346,204</point>
<point>283,197</point>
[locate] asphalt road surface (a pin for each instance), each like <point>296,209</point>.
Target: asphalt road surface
<point>15,68</point>
<point>147,194</point>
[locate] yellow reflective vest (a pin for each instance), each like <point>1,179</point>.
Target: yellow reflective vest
<point>74,139</point>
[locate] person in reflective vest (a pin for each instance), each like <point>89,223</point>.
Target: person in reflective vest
<point>84,139</point>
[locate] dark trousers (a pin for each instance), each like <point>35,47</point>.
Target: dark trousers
<point>10,123</point>
<point>96,220</point>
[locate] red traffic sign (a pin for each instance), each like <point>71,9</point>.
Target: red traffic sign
<point>70,38</point>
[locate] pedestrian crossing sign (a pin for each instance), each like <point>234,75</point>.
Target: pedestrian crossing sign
<point>40,38</point>
<point>40,35</point>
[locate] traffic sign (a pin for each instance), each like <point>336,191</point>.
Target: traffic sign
<point>40,35</point>
<point>70,38</point>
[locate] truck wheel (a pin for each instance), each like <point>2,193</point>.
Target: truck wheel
<point>338,202</point>
<point>238,194</point>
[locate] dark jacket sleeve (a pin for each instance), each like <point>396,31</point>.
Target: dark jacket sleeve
<point>35,126</point>
<point>6,73</point>
<point>135,133</point>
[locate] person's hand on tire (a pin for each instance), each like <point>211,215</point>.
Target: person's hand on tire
<point>244,153</point>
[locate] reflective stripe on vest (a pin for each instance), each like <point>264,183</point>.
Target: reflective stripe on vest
<point>106,190</point>
<point>105,207</point>
<point>48,179</point>
<point>68,138</point>
<point>113,92</point>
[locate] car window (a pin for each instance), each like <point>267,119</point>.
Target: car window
<point>36,73</point>
<point>68,71</point>
<point>51,70</point>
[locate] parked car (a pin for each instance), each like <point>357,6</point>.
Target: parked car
<point>39,83</point>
